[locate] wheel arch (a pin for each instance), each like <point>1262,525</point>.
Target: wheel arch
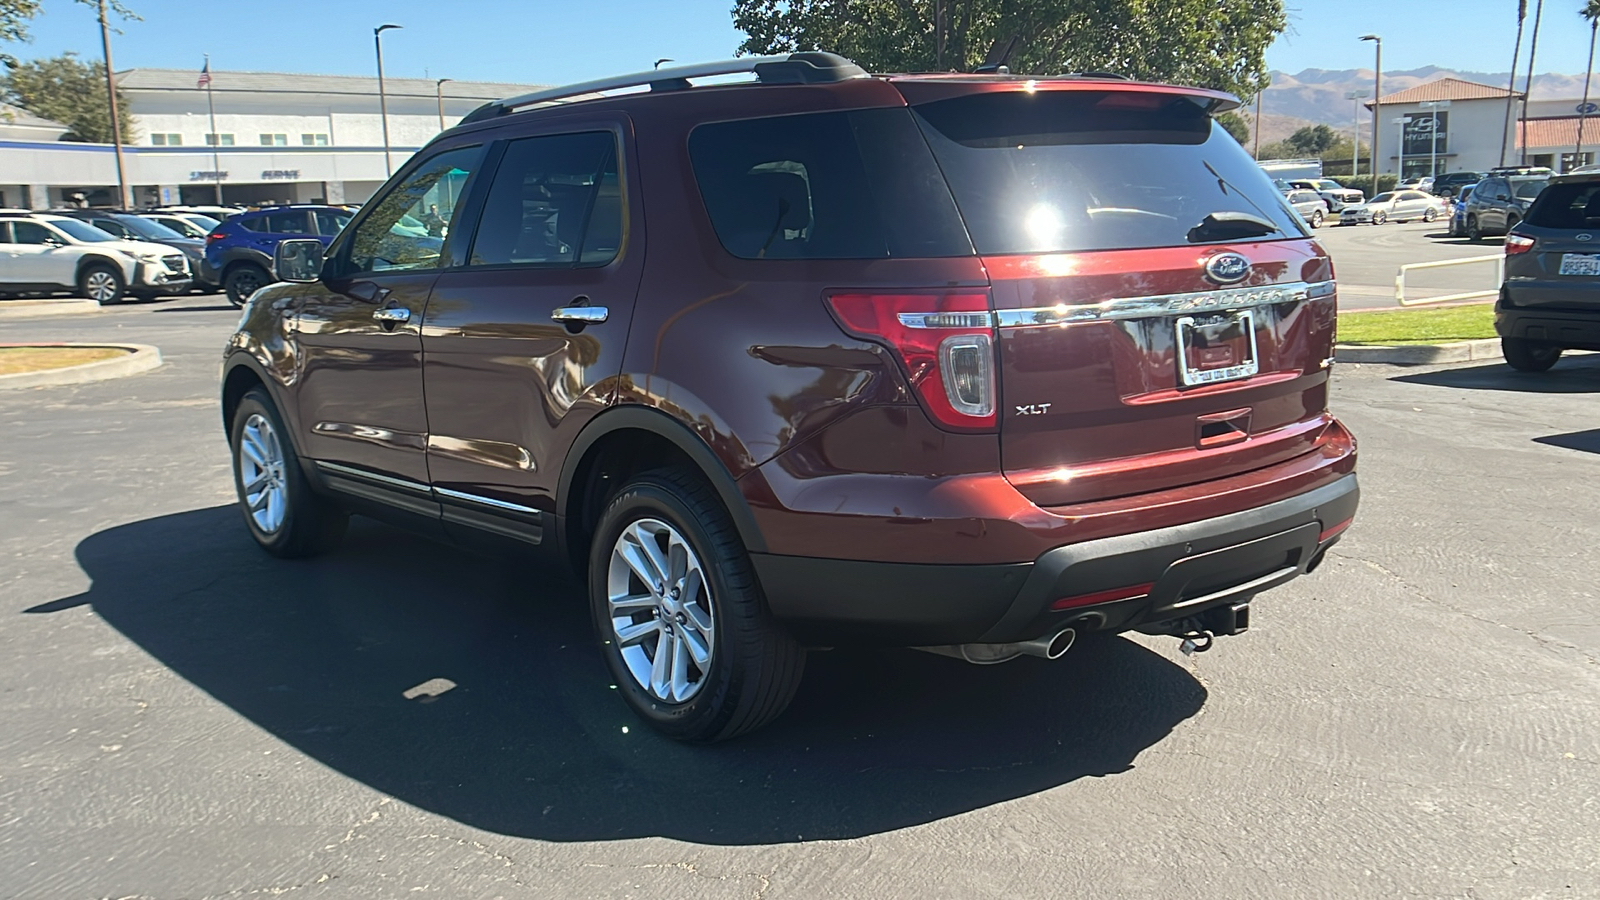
<point>624,441</point>
<point>100,259</point>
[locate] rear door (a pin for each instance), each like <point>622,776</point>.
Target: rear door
<point>524,341</point>
<point>1163,318</point>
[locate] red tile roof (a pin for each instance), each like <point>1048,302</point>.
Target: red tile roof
<point>1445,89</point>
<point>1559,132</point>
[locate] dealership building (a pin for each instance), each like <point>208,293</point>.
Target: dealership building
<point>1451,125</point>
<point>277,138</point>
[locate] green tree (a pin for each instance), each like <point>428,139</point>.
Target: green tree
<point>69,91</point>
<point>1313,140</point>
<point>1234,124</point>
<point>1197,42</point>
<point>14,16</point>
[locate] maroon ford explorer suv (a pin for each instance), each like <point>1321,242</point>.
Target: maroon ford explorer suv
<point>975,364</point>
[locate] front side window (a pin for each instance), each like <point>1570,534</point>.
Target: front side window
<point>406,228</point>
<point>330,222</point>
<point>287,223</point>
<point>110,227</point>
<point>32,233</point>
<point>554,201</point>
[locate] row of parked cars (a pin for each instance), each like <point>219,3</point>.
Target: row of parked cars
<point>106,255</point>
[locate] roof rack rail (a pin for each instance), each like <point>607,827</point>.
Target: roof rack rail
<point>794,68</point>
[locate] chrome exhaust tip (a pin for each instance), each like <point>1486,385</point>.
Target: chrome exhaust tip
<point>1050,646</point>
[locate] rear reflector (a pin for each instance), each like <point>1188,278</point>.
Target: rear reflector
<point>1516,243</point>
<point>1123,593</point>
<point>945,341</point>
<point>1334,531</point>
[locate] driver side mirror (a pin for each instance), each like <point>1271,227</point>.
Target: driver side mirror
<point>298,261</point>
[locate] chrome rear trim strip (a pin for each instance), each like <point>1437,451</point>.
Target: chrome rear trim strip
<point>1162,305</point>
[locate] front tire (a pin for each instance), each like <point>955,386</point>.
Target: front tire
<point>1316,218</point>
<point>1378,218</point>
<point>243,280</point>
<point>680,614</point>
<point>1430,215</point>
<point>102,283</point>
<point>1474,233</point>
<point>1529,356</point>
<point>284,515</point>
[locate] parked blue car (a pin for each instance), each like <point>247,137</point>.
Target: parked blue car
<point>1458,218</point>
<point>239,251</point>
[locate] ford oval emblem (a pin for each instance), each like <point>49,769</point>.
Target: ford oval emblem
<point>1227,268</point>
<point>1585,237</point>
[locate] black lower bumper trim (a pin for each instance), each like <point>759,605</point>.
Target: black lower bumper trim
<point>1570,330</point>
<point>1192,568</point>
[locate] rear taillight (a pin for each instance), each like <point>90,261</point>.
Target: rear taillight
<point>214,236</point>
<point>945,342</point>
<point>1516,243</point>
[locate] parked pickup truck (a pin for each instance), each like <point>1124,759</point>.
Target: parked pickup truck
<point>1337,195</point>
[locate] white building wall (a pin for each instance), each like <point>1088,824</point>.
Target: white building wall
<point>343,129</point>
<point>1474,132</point>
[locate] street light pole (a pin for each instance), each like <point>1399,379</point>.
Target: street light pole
<point>1355,98</point>
<point>438,93</point>
<point>1377,103</point>
<point>123,199</point>
<point>1400,165</point>
<point>1432,106</point>
<point>383,103</point>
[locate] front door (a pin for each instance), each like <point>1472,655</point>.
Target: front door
<point>358,333</point>
<point>523,344</point>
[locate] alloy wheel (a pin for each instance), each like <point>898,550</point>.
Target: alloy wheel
<point>100,285</point>
<point>660,607</point>
<point>261,474</point>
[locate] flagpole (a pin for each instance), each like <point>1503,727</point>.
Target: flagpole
<point>216,139</point>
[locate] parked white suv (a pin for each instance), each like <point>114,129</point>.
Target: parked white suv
<point>54,253</point>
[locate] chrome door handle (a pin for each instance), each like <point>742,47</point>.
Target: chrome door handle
<point>587,315</point>
<point>392,316</point>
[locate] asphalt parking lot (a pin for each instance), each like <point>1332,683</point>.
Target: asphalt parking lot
<point>183,717</point>
<point>1366,258</point>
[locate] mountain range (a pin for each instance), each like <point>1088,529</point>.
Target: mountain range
<point>1313,96</point>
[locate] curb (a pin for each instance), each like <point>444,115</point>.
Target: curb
<point>1419,354</point>
<point>142,358</point>
<point>22,309</point>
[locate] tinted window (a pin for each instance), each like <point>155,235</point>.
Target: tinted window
<point>406,228</point>
<point>1527,190</point>
<point>285,223</point>
<point>1571,205</point>
<point>555,201</point>
<point>251,223</point>
<point>839,185</point>
<point>31,233</point>
<point>331,222</point>
<point>1383,198</point>
<point>110,227</point>
<point>82,231</point>
<point>147,229</point>
<point>1058,171</point>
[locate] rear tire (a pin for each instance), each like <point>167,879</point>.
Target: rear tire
<point>1316,218</point>
<point>727,659</point>
<point>101,283</point>
<point>285,516</point>
<point>243,280</point>
<point>1529,356</point>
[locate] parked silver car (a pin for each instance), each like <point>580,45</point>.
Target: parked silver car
<point>1398,206</point>
<point>1310,206</point>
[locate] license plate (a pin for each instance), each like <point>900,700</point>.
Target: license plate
<point>1580,263</point>
<point>1215,348</point>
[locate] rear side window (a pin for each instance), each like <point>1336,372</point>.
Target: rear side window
<point>837,185</point>
<point>555,201</point>
<point>249,223</point>
<point>1059,171</point>
<point>1572,205</point>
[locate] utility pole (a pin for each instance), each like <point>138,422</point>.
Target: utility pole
<point>1377,105</point>
<point>124,198</point>
<point>216,139</point>
<point>383,103</point>
<point>1257,129</point>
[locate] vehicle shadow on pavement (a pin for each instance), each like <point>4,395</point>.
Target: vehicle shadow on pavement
<point>531,740</point>
<point>1572,375</point>
<point>1586,441</point>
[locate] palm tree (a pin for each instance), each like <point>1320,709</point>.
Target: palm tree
<point>1511,89</point>
<point>1527,85</point>
<point>1590,11</point>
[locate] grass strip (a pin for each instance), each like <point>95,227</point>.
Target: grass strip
<point>15,360</point>
<point>1423,325</point>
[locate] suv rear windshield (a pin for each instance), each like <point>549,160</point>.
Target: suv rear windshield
<point>1570,205</point>
<point>1528,188</point>
<point>1059,171</point>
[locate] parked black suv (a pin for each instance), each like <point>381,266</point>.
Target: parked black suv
<point>975,364</point>
<point>1450,183</point>
<point>1501,200</point>
<point>1550,301</point>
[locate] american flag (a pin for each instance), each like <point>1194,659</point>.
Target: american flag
<point>205,75</point>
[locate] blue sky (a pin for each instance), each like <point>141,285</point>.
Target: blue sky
<point>540,41</point>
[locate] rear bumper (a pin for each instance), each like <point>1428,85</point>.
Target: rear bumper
<point>1174,574</point>
<point>1570,329</point>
